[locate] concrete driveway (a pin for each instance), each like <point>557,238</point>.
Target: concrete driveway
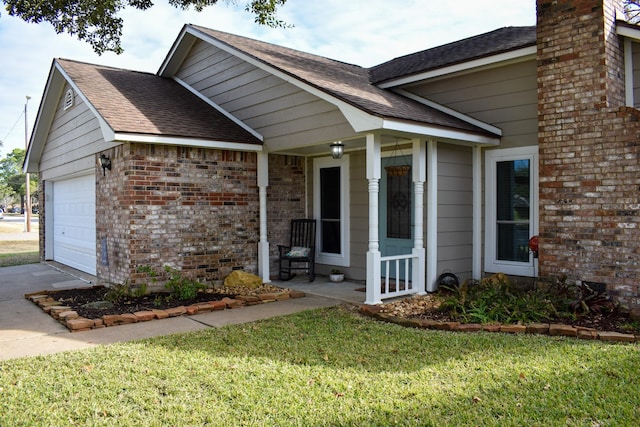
<point>25,330</point>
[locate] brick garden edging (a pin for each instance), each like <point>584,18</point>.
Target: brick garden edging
<point>75,323</point>
<point>532,328</point>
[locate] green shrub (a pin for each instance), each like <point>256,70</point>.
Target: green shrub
<point>181,287</point>
<point>118,292</point>
<point>495,299</point>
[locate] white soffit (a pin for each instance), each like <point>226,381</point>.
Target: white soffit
<point>202,143</point>
<point>440,132</point>
<point>632,33</point>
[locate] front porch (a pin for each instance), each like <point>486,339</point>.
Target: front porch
<point>344,291</point>
<point>440,201</point>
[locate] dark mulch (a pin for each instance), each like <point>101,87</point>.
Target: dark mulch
<point>77,298</point>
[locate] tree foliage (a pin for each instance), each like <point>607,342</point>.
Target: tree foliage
<point>12,178</point>
<point>632,10</point>
<point>98,23</point>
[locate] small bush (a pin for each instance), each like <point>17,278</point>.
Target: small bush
<point>494,299</point>
<point>118,292</point>
<point>179,286</point>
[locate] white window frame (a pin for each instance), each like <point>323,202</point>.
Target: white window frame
<point>492,157</point>
<point>343,258</point>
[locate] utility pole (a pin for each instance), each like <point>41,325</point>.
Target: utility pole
<point>27,196</point>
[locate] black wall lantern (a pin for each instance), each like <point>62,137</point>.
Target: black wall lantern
<point>105,163</point>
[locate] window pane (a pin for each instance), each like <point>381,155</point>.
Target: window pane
<point>330,227</point>
<point>513,182</point>
<point>513,210</point>
<point>513,242</point>
<point>399,207</point>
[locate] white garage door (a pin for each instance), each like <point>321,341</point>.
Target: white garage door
<point>74,223</point>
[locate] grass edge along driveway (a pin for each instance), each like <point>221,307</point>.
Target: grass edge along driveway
<point>328,367</point>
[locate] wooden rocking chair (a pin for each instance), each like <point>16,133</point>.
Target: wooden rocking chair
<point>301,252</point>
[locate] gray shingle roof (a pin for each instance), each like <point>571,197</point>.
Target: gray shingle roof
<point>483,45</point>
<point>347,82</point>
<point>143,103</point>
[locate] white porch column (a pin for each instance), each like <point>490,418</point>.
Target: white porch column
<point>476,267</point>
<point>432,214</point>
<point>263,243</point>
<point>373,294</point>
<point>419,176</point>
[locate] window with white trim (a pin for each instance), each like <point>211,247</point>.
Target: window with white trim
<point>331,210</point>
<point>511,205</point>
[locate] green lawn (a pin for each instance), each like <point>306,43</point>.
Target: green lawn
<point>328,367</point>
<point>17,252</point>
<point>19,258</point>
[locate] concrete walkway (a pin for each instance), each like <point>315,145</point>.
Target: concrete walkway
<point>25,330</point>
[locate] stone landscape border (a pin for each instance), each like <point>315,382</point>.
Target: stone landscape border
<point>552,329</point>
<point>49,304</point>
<point>75,323</point>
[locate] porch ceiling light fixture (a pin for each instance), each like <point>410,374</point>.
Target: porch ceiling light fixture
<point>337,149</point>
<point>105,163</point>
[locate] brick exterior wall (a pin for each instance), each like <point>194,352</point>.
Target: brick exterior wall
<point>589,150</point>
<point>286,201</point>
<point>193,209</point>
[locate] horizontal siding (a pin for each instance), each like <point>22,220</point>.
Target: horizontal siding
<point>455,209</point>
<point>509,103</point>
<point>455,222</point>
<point>72,142</point>
<point>286,116</point>
<point>359,237</point>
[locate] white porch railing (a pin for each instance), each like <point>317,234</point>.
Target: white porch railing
<point>402,283</point>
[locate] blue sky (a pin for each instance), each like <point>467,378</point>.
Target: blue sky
<point>360,32</point>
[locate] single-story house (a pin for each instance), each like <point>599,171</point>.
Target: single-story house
<point>519,132</point>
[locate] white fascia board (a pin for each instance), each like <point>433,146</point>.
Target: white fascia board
<point>355,116</point>
<point>440,132</point>
<point>46,111</point>
<point>220,109</point>
<point>177,53</point>
<point>513,56</point>
<point>483,125</point>
<point>107,130</point>
<point>632,33</point>
<point>201,143</point>
<point>57,78</point>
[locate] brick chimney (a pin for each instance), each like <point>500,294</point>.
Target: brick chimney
<point>589,145</point>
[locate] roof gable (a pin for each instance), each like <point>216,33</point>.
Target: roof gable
<point>345,82</point>
<point>141,103</point>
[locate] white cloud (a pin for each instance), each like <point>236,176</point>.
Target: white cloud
<point>359,32</point>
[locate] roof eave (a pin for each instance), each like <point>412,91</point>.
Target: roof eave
<point>47,110</point>
<point>123,137</point>
<point>178,52</point>
<point>628,30</point>
<point>512,56</point>
<point>441,132</point>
